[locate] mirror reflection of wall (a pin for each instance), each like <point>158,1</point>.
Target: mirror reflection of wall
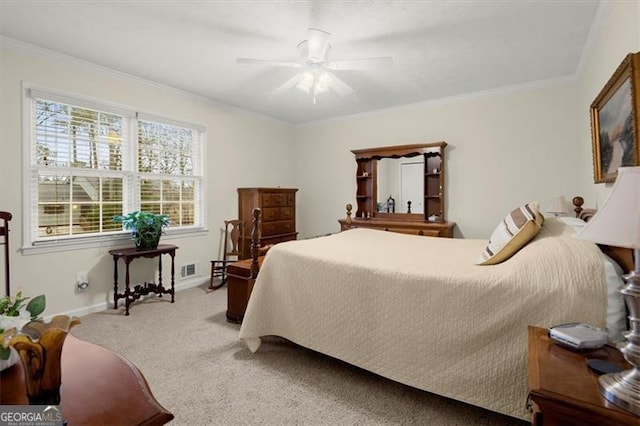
<point>388,183</point>
<point>402,180</point>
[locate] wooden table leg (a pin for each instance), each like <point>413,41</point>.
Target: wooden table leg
<point>173,270</point>
<point>127,290</point>
<point>161,288</point>
<point>115,282</point>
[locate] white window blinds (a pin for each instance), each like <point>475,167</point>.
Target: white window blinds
<point>170,179</point>
<point>90,162</point>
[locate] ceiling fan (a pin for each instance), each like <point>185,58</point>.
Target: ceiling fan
<point>316,74</point>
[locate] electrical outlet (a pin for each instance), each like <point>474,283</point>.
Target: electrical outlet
<point>82,280</point>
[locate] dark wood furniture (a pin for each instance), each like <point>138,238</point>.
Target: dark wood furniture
<point>139,290</point>
<point>430,229</point>
<point>278,206</point>
<point>234,231</point>
<point>564,391</point>
<point>239,288</point>
<point>4,232</point>
<point>431,222</point>
<point>99,387</point>
<point>242,274</point>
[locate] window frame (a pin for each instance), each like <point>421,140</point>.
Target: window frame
<point>131,177</point>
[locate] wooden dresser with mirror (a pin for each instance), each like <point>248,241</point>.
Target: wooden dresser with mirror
<point>401,189</point>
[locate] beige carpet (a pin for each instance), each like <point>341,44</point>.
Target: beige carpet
<point>199,370</point>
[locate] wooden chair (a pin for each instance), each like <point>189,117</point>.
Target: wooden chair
<point>232,251</point>
<point>4,232</point>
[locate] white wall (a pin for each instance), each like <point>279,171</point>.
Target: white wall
<point>243,149</point>
<point>620,36</point>
<point>504,149</point>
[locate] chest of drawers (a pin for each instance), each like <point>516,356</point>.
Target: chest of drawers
<point>278,207</point>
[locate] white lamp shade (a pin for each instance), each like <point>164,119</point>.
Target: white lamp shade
<point>617,223</point>
<point>558,205</point>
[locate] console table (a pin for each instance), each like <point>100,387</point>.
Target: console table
<point>139,290</point>
<point>99,387</point>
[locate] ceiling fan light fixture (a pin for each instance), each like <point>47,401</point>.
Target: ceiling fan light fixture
<point>314,82</point>
<point>316,76</point>
<point>323,82</point>
<point>305,82</point>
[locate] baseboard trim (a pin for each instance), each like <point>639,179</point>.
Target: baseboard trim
<point>86,310</point>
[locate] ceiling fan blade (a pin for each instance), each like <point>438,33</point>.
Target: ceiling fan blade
<point>287,64</point>
<point>384,62</point>
<point>318,45</point>
<point>339,86</point>
<point>286,85</point>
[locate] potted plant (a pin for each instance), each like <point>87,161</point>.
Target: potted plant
<point>14,314</point>
<point>145,227</point>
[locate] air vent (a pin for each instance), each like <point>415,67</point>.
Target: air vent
<point>188,270</point>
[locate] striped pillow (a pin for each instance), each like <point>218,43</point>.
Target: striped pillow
<point>513,233</point>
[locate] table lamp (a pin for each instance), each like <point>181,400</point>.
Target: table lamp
<point>557,206</point>
<point>617,223</point>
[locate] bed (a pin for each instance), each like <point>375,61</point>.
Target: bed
<point>420,311</point>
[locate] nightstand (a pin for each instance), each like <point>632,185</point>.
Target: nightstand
<point>239,287</point>
<point>564,391</point>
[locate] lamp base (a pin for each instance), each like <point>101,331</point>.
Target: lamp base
<point>623,389</point>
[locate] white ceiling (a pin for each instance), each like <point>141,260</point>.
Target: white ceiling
<point>440,48</point>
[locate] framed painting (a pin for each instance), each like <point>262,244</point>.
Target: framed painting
<point>614,121</point>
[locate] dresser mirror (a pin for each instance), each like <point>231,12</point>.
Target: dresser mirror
<point>387,178</point>
<point>401,185</point>
<point>400,174</point>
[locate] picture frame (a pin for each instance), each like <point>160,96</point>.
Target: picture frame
<point>614,121</point>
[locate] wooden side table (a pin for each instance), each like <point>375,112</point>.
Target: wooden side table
<point>99,387</point>
<point>239,287</point>
<point>564,391</point>
<point>128,255</point>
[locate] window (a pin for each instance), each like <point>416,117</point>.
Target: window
<point>165,165</point>
<point>90,162</point>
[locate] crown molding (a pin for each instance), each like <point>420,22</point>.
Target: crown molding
<point>450,99</point>
<point>20,46</point>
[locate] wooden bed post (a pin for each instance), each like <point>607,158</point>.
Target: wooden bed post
<point>578,202</point>
<point>255,243</point>
<point>348,220</point>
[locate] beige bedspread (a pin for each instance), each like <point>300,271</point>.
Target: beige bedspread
<point>418,310</point>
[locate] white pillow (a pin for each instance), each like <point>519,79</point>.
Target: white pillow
<point>512,233</point>
<point>616,309</point>
<point>573,222</point>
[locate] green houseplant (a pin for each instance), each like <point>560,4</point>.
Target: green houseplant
<point>14,314</point>
<point>145,227</point>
